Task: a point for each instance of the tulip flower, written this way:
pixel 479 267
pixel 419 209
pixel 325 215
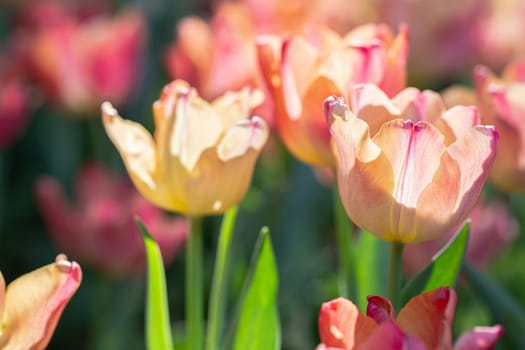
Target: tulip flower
pixel 202 158
pixel 31 305
pixel 501 104
pixel 303 70
pixel 492 229
pixel 218 56
pixel 406 183
pixel 80 60
pixel 424 323
pixel 99 228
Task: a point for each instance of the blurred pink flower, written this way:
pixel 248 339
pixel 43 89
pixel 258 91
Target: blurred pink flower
pixel 502 104
pixel 408 180
pixel 31 305
pixel 81 58
pixel 303 70
pixel 218 56
pixel 492 228
pixel 99 228
pixel 444 35
pixel 14 102
pixel 424 323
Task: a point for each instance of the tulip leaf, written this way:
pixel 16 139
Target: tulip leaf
pixel 504 308
pixel 443 269
pixel 158 327
pixel 371 258
pixel 258 325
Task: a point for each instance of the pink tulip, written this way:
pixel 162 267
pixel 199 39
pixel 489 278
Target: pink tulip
pixel 99 229
pixel 424 323
pixel 78 60
pixel 31 305
pixel 492 228
pixel 302 70
pixel 501 104
pixel 219 56
pixel 409 182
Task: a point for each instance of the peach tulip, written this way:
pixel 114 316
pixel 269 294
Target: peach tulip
pixel 303 70
pixel 501 104
pixel 99 229
pixel 406 182
pixel 31 305
pixel 424 323
pixel 202 158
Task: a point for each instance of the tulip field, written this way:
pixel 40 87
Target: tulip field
pixel 247 174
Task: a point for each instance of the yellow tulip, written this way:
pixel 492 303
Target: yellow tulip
pixel 202 157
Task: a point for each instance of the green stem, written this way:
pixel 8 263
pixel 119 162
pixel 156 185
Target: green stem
pixel 194 286
pixel 344 232
pixel 394 274
pixel 218 287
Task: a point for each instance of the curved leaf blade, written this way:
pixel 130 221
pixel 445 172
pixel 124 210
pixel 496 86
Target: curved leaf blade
pixel 158 326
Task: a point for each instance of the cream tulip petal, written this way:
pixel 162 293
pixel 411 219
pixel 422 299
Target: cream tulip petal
pixel 136 147
pixel 372 105
pixel 244 135
pixel 459 120
pixel 196 128
pixel 414 152
pixel 2 297
pixel 364 175
pixel 235 106
pixel 34 303
pixel 216 185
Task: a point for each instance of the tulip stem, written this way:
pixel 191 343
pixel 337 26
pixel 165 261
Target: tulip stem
pixel 218 287
pixel 395 273
pixel 344 232
pixel 194 286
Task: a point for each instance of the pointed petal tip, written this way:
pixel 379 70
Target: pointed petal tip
pixel 108 109
pixel 334 106
pixel 68 267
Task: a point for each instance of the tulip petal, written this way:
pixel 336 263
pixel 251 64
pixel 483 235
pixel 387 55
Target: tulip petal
pixel 244 135
pixel 463 171
pixel 457 121
pixel 414 151
pixel 298 63
pixel 389 336
pixel 34 303
pixel 362 165
pixel 372 105
pixel 479 338
pixel 419 105
pixel 428 317
pixel 343 325
pixel 380 309
pixel 137 149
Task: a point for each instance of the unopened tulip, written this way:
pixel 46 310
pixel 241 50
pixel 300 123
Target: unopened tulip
pixel 303 70
pixel 424 323
pixel 406 183
pixel 99 229
pixel 203 155
pixel 31 305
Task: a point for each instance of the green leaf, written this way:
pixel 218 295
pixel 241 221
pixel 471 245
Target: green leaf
pixel 504 308
pixel 258 325
pixel 371 260
pixel 158 327
pixel 443 269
